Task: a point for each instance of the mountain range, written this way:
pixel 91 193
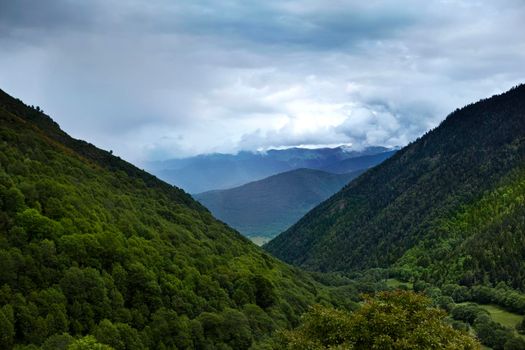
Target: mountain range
pixel 98 254
pixel 447 208
pixel 262 209
pixel 222 171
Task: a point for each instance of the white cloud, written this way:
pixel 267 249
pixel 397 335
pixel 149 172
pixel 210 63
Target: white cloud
pixel 167 79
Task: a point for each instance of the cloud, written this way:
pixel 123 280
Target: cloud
pixel 160 79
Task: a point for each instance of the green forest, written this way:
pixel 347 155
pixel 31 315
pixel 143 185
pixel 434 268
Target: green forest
pixel 448 208
pixel 98 254
pixel 93 249
pixel 446 215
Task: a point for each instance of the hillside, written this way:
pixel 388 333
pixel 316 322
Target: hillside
pixel 91 245
pixel 358 163
pixel 262 209
pixel 447 208
pixel 223 171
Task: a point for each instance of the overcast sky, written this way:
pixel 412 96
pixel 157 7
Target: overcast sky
pixel 159 79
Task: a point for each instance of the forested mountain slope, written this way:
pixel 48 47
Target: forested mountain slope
pixel 91 245
pixel 448 207
pixel 358 163
pixel 266 207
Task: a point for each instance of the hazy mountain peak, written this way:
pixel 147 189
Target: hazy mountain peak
pixel 221 171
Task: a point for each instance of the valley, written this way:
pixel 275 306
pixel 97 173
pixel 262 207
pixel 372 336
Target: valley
pixel 262 175
pixel 262 209
pixel 99 253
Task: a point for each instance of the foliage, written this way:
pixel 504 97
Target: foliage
pixel 500 295
pixel 490 332
pixel 447 208
pixel 94 250
pixel 390 320
pixel 520 327
pixel 87 343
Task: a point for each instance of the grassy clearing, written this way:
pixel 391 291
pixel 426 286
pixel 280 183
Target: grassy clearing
pixel 502 316
pixel 394 283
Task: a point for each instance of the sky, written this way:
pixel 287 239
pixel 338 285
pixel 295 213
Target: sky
pixel 163 79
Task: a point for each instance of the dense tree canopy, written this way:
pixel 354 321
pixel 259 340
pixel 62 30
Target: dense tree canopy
pixel 94 250
pixel 390 320
pixel 97 254
pixel 447 208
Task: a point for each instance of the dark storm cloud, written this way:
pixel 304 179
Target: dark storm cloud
pixel 155 79
pixel 44 15
pixel 275 23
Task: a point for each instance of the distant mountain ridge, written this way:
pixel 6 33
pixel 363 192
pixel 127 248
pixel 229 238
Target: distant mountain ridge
pixel 448 208
pixel 356 163
pixel 222 171
pixel 262 209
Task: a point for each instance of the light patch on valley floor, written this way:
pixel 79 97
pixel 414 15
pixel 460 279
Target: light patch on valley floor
pixel 259 240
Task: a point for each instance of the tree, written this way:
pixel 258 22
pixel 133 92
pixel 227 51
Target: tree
pixel 520 327
pixel 390 320
pixel 7 331
pixel 515 343
pixel 58 342
pixel 264 291
pixel 88 343
pixel 491 333
pixel 108 333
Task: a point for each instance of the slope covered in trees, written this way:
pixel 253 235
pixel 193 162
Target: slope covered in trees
pixel 94 250
pixel 358 163
pixel 449 207
pixel 261 209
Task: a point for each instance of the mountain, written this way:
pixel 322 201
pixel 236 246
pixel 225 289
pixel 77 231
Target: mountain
pixel 262 209
pixel 358 163
pixel 222 171
pixel 92 246
pixel 449 207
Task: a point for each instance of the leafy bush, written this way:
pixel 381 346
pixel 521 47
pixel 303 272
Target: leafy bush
pixel 390 320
